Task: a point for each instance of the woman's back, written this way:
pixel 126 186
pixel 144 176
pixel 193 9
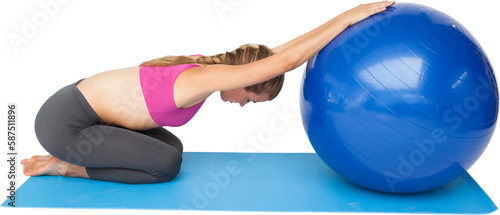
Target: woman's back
pixel 116 96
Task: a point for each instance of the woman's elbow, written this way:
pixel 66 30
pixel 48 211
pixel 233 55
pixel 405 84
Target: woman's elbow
pixel 291 63
pixel 286 63
pixel 290 59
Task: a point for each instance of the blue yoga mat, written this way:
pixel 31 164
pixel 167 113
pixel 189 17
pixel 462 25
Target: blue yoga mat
pixel 286 182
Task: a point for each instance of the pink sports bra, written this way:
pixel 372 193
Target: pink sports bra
pixel 157 83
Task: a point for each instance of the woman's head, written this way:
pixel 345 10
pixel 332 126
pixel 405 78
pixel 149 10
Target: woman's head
pixel 247 53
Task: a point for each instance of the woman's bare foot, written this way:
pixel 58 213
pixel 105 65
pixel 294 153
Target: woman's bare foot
pixel 44 165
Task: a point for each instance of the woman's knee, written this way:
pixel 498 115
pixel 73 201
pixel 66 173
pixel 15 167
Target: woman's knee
pixel 178 145
pixel 169 167
pixel 174 141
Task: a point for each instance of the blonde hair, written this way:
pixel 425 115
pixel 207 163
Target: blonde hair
pixel 244 54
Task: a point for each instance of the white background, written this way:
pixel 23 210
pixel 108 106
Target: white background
pixel 82 38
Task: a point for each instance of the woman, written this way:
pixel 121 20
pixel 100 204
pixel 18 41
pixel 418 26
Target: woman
pixel 108 126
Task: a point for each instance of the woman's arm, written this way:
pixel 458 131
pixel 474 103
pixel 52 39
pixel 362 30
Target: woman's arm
pixel 290 55
pixel 282 47
pixel 308 45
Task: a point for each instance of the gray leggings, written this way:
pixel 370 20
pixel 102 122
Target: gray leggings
pixel 69 129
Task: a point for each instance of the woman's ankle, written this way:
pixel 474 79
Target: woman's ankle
pixel 76 171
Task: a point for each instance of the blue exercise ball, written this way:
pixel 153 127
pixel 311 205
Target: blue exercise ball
pixel 402 102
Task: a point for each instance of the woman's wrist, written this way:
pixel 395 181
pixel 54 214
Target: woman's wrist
pixel 342 21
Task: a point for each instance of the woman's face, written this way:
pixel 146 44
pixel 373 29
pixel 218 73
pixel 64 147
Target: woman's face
pixel 242 96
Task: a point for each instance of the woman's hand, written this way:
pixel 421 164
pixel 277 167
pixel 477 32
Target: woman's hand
pixel 364 11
